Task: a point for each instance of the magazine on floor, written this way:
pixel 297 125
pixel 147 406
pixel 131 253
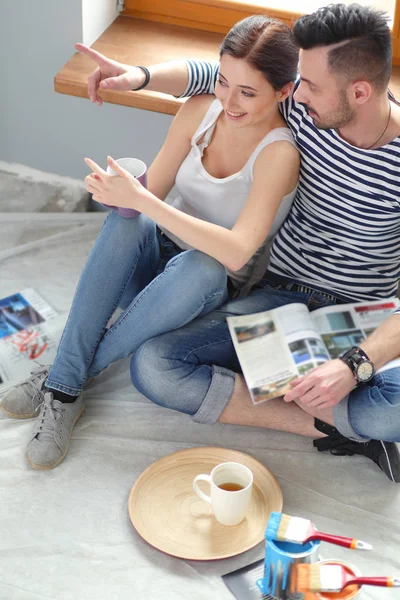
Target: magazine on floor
pixel 242 583
pixel 276 346
pixel 29 333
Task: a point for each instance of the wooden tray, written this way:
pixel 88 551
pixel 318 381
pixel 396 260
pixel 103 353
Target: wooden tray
pixel 166 512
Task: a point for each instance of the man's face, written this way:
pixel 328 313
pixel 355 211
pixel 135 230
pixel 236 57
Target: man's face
pixel 324 94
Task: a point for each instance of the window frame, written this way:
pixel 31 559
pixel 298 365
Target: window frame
pixel 210 15
pixel 150 41
pixel 220 15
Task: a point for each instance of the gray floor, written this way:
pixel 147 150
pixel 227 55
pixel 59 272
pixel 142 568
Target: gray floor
pixel 66 533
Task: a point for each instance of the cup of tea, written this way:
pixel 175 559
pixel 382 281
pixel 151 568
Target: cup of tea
pixel 138 169
pixel 230 491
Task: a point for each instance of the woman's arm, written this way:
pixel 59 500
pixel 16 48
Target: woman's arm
pixel 275 175
pixel 162 172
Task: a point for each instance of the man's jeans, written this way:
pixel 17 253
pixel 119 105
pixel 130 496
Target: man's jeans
pixel 135 267
pixel 192 369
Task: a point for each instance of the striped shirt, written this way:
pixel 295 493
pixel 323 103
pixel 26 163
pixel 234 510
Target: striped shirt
pixel 343 232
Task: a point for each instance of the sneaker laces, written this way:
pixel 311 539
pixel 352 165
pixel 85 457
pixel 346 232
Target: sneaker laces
pixel 335 442
pixel 337 445
pixel 35 380
pixel 51 410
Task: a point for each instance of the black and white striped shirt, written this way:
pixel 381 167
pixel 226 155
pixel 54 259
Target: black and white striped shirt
pixel 343 232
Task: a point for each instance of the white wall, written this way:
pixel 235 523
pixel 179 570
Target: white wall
pixel 97 15
pixel 53 132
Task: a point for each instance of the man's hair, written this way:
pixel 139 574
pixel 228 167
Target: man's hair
pixel 366 51
pixel 268 45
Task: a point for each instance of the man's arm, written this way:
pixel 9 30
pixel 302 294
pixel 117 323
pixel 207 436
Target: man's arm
pixel 183 78
pixel 383 344
pixel 331 382
pixel 177 77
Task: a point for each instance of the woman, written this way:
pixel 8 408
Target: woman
pixel 235 167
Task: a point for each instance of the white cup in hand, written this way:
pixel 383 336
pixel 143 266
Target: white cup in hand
pixel 231 486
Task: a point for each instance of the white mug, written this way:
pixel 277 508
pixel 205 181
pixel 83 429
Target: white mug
pixel 231 485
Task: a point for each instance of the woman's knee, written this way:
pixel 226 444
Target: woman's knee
pixel 204 270
pixel 129 230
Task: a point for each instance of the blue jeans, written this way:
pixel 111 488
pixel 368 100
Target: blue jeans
pixel 192 369
pixel 132 265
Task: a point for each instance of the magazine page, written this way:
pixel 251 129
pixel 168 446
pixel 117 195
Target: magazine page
pixel 30 348
pixel 29 334
pixel 242 583
pixel 21 310
pixel 343 326
pixel 274 347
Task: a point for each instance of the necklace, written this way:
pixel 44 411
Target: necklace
pixel 384 131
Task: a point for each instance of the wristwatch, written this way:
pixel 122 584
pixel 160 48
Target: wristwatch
pixel 358 362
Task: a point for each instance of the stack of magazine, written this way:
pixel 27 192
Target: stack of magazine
pixel 29 334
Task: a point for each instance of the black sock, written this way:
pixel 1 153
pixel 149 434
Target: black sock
pixel 61 397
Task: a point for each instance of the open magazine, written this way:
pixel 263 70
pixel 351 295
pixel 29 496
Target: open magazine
pixel 29 333
pixel 276 346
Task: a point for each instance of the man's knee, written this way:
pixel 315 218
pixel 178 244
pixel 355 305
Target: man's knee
pixel 163 372
pixel 146 369
pixel 375 411
pixel 156 376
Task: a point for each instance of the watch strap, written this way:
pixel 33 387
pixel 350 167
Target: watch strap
pixel 353 357
pixel 349 362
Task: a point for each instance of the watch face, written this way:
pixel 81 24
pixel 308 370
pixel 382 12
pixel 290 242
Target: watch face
pixel 365 370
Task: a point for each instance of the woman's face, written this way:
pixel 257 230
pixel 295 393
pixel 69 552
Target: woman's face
pixel 245 94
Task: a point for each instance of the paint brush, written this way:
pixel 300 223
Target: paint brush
pixel 333 578
pixel 285 528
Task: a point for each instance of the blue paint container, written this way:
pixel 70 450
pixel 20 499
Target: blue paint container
pixel 280 560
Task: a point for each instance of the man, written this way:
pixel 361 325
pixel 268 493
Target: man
pixel 339 244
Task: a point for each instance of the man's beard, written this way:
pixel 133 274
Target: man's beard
pixel 341 117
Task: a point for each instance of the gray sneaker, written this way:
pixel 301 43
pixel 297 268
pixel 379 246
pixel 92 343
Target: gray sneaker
pixel 24 399
pixel 52 431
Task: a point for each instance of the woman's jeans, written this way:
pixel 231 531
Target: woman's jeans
pixel 192 370
pixel 132 265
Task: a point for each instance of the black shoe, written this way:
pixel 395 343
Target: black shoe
pixel 385 454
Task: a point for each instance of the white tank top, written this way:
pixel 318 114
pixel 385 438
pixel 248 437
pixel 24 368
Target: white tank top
pixel 220 201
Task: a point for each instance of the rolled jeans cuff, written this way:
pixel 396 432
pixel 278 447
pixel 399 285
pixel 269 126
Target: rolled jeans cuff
pixel 217 397
pixel 66 389
pixel 342 421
